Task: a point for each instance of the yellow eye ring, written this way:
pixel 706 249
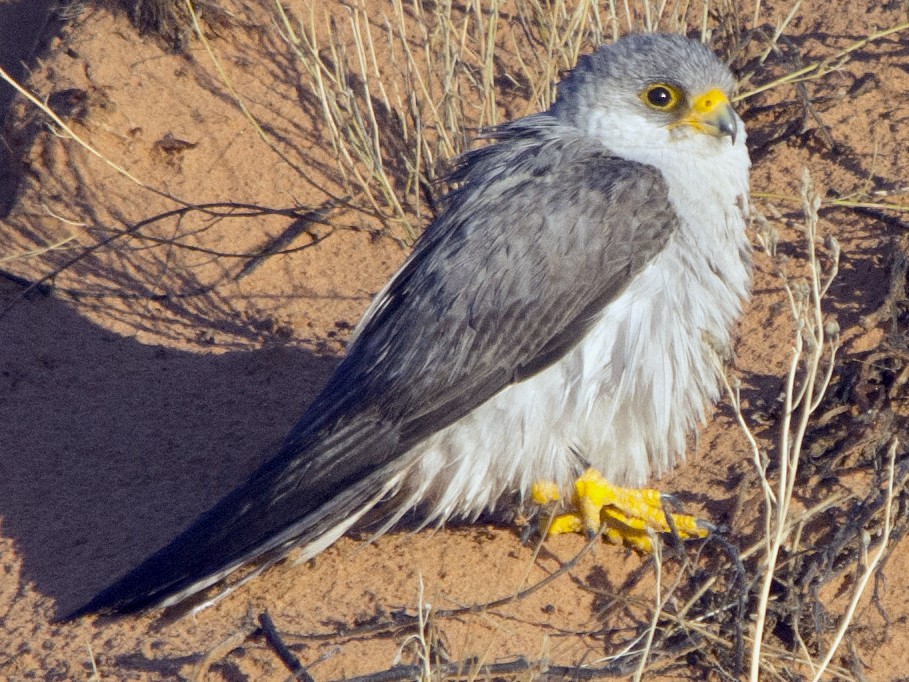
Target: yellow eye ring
pixel 660 96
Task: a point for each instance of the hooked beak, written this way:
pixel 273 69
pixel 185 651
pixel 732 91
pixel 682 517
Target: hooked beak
pixel 712 113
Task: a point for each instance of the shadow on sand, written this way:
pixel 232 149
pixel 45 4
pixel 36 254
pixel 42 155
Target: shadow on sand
pixel 110 447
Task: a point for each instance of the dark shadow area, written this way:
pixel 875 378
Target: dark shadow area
pixel 24 25
pixel 111 447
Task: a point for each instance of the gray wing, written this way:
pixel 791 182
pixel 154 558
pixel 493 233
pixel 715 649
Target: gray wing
pixel 539 239
pixel 542 232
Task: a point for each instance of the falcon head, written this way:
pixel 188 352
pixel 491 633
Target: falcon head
pixel 651 91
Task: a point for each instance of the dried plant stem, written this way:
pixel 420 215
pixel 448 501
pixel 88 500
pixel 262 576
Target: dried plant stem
pixel 68 242
pixel 836 203
pixel 420 638
pixel 870 567
pixel 651 631
pixel 810 369
pixel 759 458
pixel 825 66
pixel 81 142
pixel 200 34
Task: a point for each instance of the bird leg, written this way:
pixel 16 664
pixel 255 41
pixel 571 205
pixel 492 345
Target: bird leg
pixel 625 515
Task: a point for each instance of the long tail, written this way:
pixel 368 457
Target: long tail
pixel 296 499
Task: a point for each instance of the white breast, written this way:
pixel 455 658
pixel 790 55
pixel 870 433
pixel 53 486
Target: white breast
pixel 626 397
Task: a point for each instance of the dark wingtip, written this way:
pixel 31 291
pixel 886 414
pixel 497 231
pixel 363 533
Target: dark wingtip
pixel 106 605
pixel 76 614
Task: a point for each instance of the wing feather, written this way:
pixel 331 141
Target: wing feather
pixel 543 230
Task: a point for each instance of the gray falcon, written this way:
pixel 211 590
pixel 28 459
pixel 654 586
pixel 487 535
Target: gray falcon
pixel 556 323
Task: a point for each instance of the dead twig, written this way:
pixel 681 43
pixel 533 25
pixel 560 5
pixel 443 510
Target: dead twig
pixel 276 644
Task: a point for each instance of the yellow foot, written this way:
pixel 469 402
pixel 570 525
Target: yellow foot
pixel 625 515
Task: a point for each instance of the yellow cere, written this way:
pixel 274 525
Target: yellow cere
pixel 710 100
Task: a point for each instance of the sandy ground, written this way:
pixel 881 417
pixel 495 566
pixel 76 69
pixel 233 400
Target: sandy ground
pixel 141 383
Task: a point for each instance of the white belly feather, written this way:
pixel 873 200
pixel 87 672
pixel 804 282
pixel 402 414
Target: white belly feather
pixel 625 398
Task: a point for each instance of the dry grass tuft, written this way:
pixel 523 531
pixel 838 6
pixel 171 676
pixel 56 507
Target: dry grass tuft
pixel 393 132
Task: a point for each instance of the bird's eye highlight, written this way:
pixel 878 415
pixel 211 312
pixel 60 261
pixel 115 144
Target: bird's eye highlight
pixel 660 96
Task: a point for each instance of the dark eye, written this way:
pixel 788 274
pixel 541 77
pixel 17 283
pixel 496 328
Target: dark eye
pixel 660 96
